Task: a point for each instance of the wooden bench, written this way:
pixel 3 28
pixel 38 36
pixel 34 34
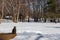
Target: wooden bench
pixel 7 36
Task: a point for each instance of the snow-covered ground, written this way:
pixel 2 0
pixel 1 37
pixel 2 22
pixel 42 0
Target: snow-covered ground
pixel 36 36
pixel 44 28
pixel 29 31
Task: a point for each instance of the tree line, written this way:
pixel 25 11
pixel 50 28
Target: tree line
pixel 31 9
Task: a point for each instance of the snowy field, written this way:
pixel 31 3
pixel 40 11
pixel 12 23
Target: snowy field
pixel 32 30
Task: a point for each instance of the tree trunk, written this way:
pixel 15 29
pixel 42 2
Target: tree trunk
pixel 0 18
pixel 35 19
pixel 28 19
pixel 18 11
pixel 58 20
pixel 44 19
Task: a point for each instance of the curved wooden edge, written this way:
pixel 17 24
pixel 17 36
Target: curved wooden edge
pixel 7 36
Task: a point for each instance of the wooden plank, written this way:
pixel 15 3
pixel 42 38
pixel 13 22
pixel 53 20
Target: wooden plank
pixel 7 36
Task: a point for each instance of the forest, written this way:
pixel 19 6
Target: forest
pixel 38 10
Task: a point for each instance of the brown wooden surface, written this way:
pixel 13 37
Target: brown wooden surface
pixel 7 36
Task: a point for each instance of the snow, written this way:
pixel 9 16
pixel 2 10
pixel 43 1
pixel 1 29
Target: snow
pixel 27 36
pixel 35 36
pixel 49 31
pixel 44 28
